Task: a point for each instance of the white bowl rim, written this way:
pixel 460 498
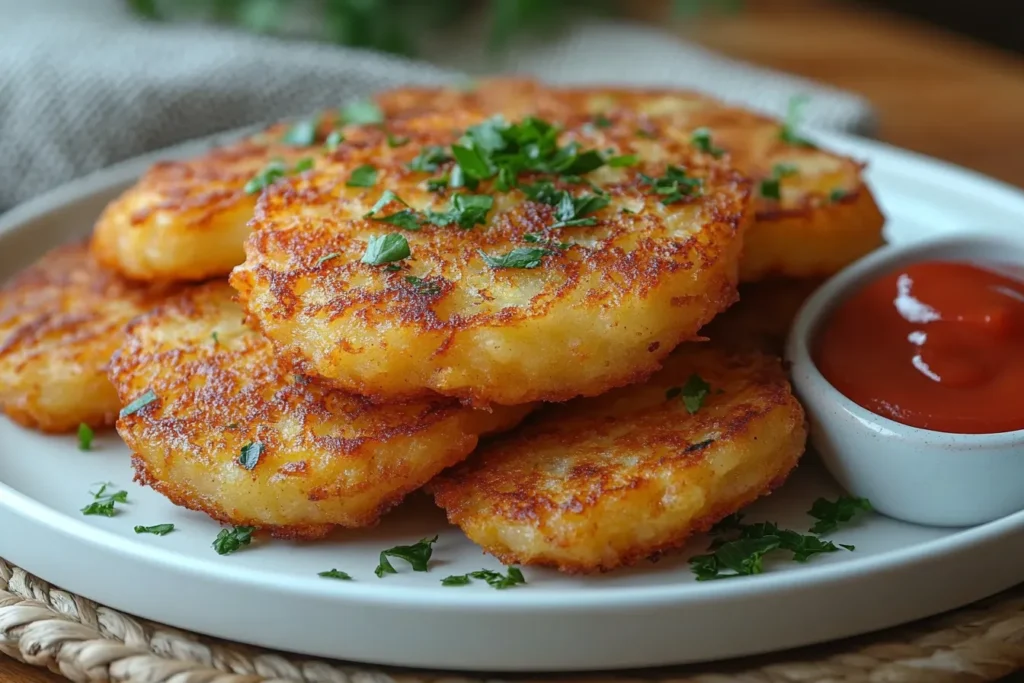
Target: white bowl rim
pixel 844 283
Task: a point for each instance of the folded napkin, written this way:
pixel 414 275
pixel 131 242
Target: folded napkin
pixel 84 84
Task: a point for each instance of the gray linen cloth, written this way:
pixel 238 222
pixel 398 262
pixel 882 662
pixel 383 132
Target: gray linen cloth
pixel 83 84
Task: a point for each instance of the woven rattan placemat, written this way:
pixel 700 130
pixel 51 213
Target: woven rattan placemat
pixel 45 626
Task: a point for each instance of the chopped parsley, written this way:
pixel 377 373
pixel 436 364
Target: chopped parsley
pixel 521 257
pixel 771 187
pixel 693 393
pixel 215 337
pixel 361 112
pixel 571 211
pixel 274 171
pixel 301 134
pixel 230 540
pixel 437 184
pixel 535 238
pixel 623 160
pixel 251 454
pixel 334 574
pixel 157 530
pixel 85 436
pixel 407 219
pixel 334 140
pixel 429 159
pixel 674 186
pixel 837 195
pixel 494 579
pixel 701 139
pixel 364 176
pixel 417 555
pixel 738 549
pixel 103 502
pixel 466 211
pixel 388 248
pixel 602 121
pixel 138 404
pixel 794 113
pixel 422 286
pixel 327 257
pixel 830 514
pixel 397 140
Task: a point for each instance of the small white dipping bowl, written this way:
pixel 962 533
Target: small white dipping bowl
pixel 916 475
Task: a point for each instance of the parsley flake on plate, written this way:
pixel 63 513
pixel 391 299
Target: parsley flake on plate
pixel 149 396
pixel 334 574
pixel 417 555
pixel 388 248
pixel 85 436
pixel 364 176
pixel 233 539
pixel 494 579
pixel 831 513
pixel 334 140
pixel 156 530
pixel 251 454
pixel 701 139
pixel 104 503
pixel 521 257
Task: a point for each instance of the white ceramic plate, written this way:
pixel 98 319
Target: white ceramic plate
pixel 269 594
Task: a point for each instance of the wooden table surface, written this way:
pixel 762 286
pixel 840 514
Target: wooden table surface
pixel 935 93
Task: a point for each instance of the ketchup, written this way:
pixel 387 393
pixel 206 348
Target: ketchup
pixel 937 345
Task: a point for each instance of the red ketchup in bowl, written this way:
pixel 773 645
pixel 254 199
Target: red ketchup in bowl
pixel 937 345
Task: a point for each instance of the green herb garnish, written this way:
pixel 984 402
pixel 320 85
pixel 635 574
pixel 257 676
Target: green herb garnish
pixel 301 134
pixel 138 404
pixel 383 249
pixel 103 502
pixel 794 112
pixel 693 393
pixel 571 210
pixel 830 514
pixel 417 555
pixel 674 186
pixel 429 159
pixel 602 121
pixel 422 286
pixel 327 257
pixel 335 574
pixel 407 219
pixel 251 454
pixel 466 211
pixel 230 540
pixel 521 257
pixel 494 579
pixel 837 195
pixel 362 112
pixel 157 530
pixel 771 187
pixel 701 139
pixel 274 171
pixel 85 436
pixel 334 140
pixel 623 160
pixel 397 140
pixel 364 176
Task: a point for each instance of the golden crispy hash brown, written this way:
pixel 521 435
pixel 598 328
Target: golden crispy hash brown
pixel 570 283
pixel 186 220
pixel 814 213
pixel 597 483
pixel 219 424
pixel 60 321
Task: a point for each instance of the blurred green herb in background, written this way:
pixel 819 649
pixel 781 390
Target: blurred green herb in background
pixel 392 25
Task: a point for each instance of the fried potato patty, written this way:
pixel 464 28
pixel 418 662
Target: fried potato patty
pixel 60 321
pixel 186 220
pixel 814 212
pixel 226 428
pixel 598 483
pixel 569 283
